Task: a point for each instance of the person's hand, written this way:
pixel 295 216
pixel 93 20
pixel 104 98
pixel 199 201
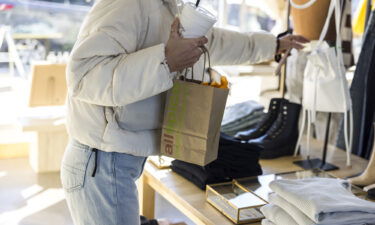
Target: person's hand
pixel 291 41
pixel 181 52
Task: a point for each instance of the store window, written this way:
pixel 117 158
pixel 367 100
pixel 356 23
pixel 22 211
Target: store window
pixel 234 15
pixel 240 15
pixel 41 28
pixel 74 2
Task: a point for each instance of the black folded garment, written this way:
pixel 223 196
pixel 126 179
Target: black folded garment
pixel 145 221
pixel 236 159
pixel 196 174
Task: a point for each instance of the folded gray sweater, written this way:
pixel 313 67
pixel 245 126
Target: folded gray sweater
pixel 326 201
pixel 241 110
pixel 267 222
pixel 293 211
pixel 277 215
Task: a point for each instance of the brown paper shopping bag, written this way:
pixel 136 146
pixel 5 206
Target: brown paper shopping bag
pixel 192 120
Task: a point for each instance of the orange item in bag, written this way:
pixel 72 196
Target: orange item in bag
pixel 223 84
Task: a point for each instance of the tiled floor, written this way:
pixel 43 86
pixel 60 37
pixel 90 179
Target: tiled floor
pixel 27 198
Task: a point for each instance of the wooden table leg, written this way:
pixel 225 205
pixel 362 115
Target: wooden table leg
pixel 146 198
pixel 47 150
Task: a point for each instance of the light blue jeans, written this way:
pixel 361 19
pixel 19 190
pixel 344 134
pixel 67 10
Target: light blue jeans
pixel 108 198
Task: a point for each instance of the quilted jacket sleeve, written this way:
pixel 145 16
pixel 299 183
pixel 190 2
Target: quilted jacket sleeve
pixel 233 48
pixel 105 67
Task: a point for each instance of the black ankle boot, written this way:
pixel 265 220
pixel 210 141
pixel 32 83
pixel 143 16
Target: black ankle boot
pixel 281 138
pixel 264 125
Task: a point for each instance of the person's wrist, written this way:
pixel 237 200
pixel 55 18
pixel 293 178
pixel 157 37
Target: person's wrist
pixel 277 54
pixel 166 61
pixel 277 46
pixel 167 66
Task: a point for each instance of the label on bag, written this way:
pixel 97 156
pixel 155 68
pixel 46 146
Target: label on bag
pixel 173 118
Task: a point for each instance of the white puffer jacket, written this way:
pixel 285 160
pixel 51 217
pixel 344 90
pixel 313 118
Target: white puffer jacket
pixel 116 81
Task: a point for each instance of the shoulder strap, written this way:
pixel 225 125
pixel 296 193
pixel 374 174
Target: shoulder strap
pixel 338 14
pixel 323 34
pixel 302 6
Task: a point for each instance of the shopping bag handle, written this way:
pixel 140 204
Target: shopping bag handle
pixel 205 59
pixel 333 7
pixel 206 53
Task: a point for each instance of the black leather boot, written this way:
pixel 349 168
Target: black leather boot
pixel 281 138
pixel 264 125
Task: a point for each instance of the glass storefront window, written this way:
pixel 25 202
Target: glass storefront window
pixel 47 17
pixel 234 15
pixel 239 15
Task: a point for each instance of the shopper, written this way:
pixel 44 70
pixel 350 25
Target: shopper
pixel 120 67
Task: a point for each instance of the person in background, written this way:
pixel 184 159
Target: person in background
pixel 125 59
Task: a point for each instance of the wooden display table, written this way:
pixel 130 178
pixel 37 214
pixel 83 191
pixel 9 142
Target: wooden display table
pixel 191 200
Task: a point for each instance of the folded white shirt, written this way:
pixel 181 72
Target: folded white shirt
pixel 326 201
pixel 277 215
pixel 267 222
pixel 293 211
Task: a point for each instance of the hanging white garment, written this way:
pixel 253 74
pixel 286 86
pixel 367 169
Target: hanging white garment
pixel 325 88
pixel 295 68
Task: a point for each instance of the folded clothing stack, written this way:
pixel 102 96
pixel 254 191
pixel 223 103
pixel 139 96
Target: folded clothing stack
pixel 145 221
pixel 323 201
pixel 241 116
pixel 235 160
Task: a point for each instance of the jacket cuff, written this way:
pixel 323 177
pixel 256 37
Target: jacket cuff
pixel 265 46
pixel 164 62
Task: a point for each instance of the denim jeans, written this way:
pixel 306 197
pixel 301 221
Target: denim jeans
pixel 108 198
